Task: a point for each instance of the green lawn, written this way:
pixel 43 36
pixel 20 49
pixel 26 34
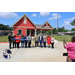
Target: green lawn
pixel 61 37
pixel 4 38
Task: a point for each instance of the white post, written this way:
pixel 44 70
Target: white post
pixel 41 31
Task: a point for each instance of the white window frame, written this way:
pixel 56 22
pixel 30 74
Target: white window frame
pixel 21 31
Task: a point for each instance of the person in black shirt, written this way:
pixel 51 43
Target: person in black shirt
pixel 10 40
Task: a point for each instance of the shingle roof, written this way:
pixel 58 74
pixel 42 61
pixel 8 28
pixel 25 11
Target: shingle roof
pixel 43 27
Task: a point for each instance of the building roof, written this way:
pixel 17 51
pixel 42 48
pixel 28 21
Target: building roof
pixel 21 18
pixel 43 27
pixel 37 26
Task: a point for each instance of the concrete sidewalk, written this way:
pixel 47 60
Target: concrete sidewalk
pixel 36 54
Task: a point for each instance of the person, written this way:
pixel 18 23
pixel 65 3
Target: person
pixel 74 35
pixel 68 58
pixel 44 39
pixel 41 40
pixel 48 41
pixel 14 41
pixel 36 40
pixel 33 40
pixel 29 40
pixel 10 40
pixel 18 40
pixel 52 41
pixel 70 49
pixel 26 38
pixel 22 41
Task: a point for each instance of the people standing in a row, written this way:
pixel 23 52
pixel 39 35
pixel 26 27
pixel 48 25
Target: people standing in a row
pixel 31 41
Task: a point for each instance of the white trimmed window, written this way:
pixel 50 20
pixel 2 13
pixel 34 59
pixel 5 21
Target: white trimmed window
pixel 25 20
pixel 19 31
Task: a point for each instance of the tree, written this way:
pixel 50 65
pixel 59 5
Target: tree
pixel 5 27
pixel 73 23
pixel 54 31
pixel 73 29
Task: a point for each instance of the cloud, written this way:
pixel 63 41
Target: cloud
pixel 44 14
pixel 54 15
pixel 49 18
pixel 8 15
pixel 67 24
pixel 34 15
pixel 39 16
pixel 70 18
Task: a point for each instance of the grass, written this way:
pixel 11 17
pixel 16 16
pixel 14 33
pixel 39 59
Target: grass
pixel 57 37
pixel 4 38
pixel 61 37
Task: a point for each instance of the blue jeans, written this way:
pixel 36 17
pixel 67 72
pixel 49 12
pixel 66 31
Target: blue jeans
pixel 22 44
pixel 68 61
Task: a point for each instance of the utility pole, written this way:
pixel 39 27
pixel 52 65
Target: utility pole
pixel 57 23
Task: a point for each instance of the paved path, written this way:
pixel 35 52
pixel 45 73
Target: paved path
pixel 35 54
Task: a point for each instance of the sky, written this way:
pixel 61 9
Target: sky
pixel 64 18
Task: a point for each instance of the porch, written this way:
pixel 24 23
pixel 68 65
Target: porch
pixel 35 31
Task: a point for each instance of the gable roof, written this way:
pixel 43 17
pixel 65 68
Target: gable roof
pixel 45 23
pixel 21 18
pixel 43 27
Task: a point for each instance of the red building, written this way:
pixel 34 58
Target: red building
pixel 25 26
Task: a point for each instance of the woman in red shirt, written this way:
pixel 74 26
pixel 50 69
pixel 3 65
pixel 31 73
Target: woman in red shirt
pixel 49 40
pixel 18 41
